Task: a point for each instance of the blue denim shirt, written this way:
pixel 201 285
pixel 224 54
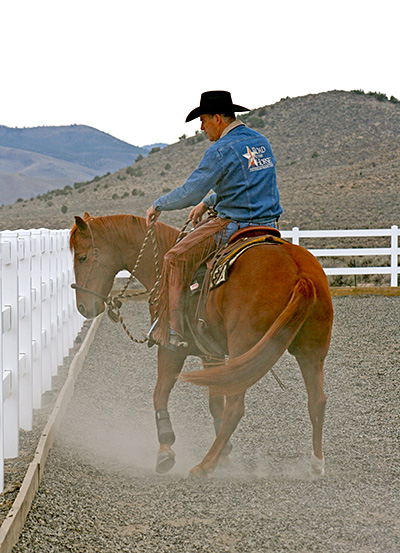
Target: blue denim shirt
pixel 240 169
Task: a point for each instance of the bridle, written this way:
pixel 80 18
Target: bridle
pixel 114 303
pixel 95 255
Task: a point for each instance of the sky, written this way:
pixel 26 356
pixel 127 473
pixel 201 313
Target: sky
pixel 136 69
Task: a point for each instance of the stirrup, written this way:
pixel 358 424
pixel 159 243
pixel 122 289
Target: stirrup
pixel 150 339
pixel 174 343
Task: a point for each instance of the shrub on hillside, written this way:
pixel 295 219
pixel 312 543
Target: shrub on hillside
pixel 64 209
pixel 255 122
pixel 134 171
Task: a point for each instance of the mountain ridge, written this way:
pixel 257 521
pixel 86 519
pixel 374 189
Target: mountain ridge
pixel 71 153
pixel 338 166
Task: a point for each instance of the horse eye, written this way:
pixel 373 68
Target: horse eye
pixel 82 258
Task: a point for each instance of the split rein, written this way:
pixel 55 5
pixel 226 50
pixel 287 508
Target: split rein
pixel 114 303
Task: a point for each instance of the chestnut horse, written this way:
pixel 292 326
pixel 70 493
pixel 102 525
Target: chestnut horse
pixel 276 298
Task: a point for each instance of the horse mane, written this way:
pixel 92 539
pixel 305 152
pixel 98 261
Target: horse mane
pixel 113 226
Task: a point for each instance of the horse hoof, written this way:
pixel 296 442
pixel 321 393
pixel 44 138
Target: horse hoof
pixel 317 466
pixel 227 449
pixel 197 473
pixel 165 461
pixel 225 462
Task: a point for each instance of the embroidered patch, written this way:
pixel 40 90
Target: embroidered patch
pixel 257 160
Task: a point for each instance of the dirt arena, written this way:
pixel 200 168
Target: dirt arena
pixel 100 493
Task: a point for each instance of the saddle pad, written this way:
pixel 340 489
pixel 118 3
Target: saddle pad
pixel 222 265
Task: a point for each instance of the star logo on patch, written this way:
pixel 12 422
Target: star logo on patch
pixel 250 157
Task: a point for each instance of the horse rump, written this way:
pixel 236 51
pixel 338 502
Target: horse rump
pixel 239 373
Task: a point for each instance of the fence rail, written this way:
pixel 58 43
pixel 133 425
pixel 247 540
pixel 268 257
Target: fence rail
pixel 392 251
pixel 38 325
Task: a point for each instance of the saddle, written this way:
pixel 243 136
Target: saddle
pixel 252 232
pixel 240 241
pixel 216 271
pixel 225 257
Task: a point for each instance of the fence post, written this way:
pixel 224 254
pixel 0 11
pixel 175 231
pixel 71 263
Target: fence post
pixel 10 342
pixel 46 309
pixel 394 257
pixel 36 273
pixel 1 385
pixel 25 330
pixel 53 302
pixel 296 235
pixel 64 294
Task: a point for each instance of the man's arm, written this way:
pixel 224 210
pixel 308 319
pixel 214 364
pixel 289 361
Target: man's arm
pixel 196 187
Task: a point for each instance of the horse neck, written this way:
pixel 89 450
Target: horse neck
pixel 130 244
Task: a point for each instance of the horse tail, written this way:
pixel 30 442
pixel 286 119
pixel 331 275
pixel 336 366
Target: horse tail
pixel 241 372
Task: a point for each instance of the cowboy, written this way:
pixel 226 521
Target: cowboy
pixel 239 167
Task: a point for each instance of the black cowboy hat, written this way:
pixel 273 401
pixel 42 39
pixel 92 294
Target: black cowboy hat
pixel 215 101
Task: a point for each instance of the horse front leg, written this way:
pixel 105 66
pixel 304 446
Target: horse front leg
pixel 169 366
pixel 233 412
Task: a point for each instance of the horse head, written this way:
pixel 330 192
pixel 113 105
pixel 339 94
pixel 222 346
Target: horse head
pixel 96 262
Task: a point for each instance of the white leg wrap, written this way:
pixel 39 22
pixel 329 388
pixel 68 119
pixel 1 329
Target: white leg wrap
pixel 317 465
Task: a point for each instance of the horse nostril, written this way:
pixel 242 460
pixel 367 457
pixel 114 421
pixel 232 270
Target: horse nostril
pixel 82 309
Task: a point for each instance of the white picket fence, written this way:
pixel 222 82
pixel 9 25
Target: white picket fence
pixel 39 320
pixel 38 326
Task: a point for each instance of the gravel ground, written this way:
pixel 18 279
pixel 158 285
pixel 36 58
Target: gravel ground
pixel 100 492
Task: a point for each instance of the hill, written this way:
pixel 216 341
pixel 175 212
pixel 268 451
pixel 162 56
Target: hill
pixel 338 165
pixel 35 160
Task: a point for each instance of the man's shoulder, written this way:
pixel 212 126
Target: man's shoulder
pixel 243 130
pixel 238 134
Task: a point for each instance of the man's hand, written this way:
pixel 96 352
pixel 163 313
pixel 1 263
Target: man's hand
pixel 150 214
pixel 197 212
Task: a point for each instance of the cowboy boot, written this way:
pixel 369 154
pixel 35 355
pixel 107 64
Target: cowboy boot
pixel 176 328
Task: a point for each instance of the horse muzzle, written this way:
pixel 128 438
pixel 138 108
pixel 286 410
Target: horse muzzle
pixel 96 308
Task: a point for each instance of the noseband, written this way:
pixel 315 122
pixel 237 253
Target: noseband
pixel 89 291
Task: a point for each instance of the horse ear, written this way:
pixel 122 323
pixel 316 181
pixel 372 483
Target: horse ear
pixel 86 216
pixel 81 225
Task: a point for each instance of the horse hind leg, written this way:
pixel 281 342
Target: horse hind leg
pixel 233 412
pixel 312 371
pixel 216 405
